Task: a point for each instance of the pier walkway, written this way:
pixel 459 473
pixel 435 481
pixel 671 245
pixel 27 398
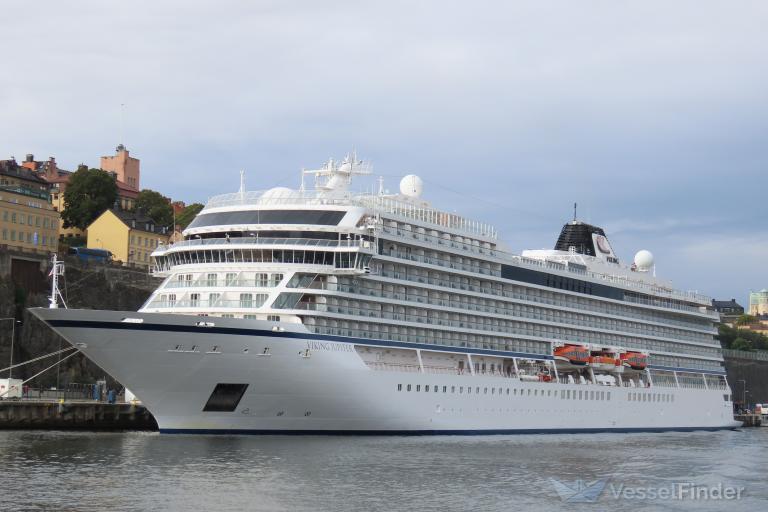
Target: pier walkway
pixel 74 415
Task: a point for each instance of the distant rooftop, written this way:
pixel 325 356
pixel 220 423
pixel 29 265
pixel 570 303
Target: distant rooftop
pixel 13 169
pixel 726 304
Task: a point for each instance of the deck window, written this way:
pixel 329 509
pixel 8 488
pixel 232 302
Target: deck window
pixel 312 217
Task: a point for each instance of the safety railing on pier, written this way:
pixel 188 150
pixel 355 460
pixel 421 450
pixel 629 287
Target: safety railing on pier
pixel 758 355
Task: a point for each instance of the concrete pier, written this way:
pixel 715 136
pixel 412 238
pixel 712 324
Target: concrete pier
pixel 74 415
pixel 750 420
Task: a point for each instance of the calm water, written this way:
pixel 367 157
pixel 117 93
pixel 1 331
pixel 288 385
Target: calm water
pixel 146 471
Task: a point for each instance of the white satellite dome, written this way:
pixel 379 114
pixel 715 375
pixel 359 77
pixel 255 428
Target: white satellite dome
pixel 411 186
pixel 643 259
pixel 278 193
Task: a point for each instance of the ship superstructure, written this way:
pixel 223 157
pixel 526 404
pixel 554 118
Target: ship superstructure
pixel 410 305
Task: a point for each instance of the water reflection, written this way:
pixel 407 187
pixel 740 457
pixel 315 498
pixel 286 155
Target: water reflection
pixel 143 471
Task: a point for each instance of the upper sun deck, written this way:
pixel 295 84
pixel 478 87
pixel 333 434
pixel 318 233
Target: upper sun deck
pixel 331 183
pixel 396 205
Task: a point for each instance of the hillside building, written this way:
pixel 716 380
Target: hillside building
pixel 129 236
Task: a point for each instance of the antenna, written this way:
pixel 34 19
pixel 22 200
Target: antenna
pixel 574 211
pixel 242 185
pixel 122 108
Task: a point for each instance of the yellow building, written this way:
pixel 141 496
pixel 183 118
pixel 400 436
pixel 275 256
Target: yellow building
pixel 129 236
pixel 28 222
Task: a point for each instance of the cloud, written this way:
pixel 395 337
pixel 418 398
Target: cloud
pixel 735 263
pixel 651 115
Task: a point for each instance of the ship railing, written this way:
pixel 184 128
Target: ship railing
pixel 509 295
pixel 307 242
pixel 426 215
pixel 742 354
pixel 415 368
pixel 227 283
pixel 353 262
pixel 446 341
pixel 585 382
pixel 258 198
pixel 253 303
pixel 474 246
pixel 672 305
pixel 632 383
pixel 428 319
pixel 445 262
pixel 442 370
pixel 508 311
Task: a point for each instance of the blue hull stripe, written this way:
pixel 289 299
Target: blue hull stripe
pixel 90 324
pixel 274 432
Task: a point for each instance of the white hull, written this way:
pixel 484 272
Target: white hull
pixel 334 391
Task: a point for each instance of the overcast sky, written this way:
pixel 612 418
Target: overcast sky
pixel 653 115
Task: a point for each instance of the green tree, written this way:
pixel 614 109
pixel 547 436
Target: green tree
pixel 741 344
pixel 156 206
pixel 185 217
pixel 729 335
pixel 745 320
pixel 89 192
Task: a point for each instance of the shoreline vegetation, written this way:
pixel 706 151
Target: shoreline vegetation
pixel 740 337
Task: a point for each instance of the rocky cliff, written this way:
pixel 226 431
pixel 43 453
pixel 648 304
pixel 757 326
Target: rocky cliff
pixel 84 287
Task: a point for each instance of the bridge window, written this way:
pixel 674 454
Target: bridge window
pixel 311 217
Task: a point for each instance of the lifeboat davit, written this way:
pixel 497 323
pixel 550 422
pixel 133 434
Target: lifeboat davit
pixel 605 362
pixel 634 360
pixel 572 354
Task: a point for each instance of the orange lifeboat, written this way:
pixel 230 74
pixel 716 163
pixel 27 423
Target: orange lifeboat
pixel 573 354
pixel 635 360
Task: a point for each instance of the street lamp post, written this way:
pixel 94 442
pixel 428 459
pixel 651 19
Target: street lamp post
pixel 13 337
pixel 743 393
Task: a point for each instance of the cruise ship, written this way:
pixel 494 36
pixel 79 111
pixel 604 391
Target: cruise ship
pixel 323 311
